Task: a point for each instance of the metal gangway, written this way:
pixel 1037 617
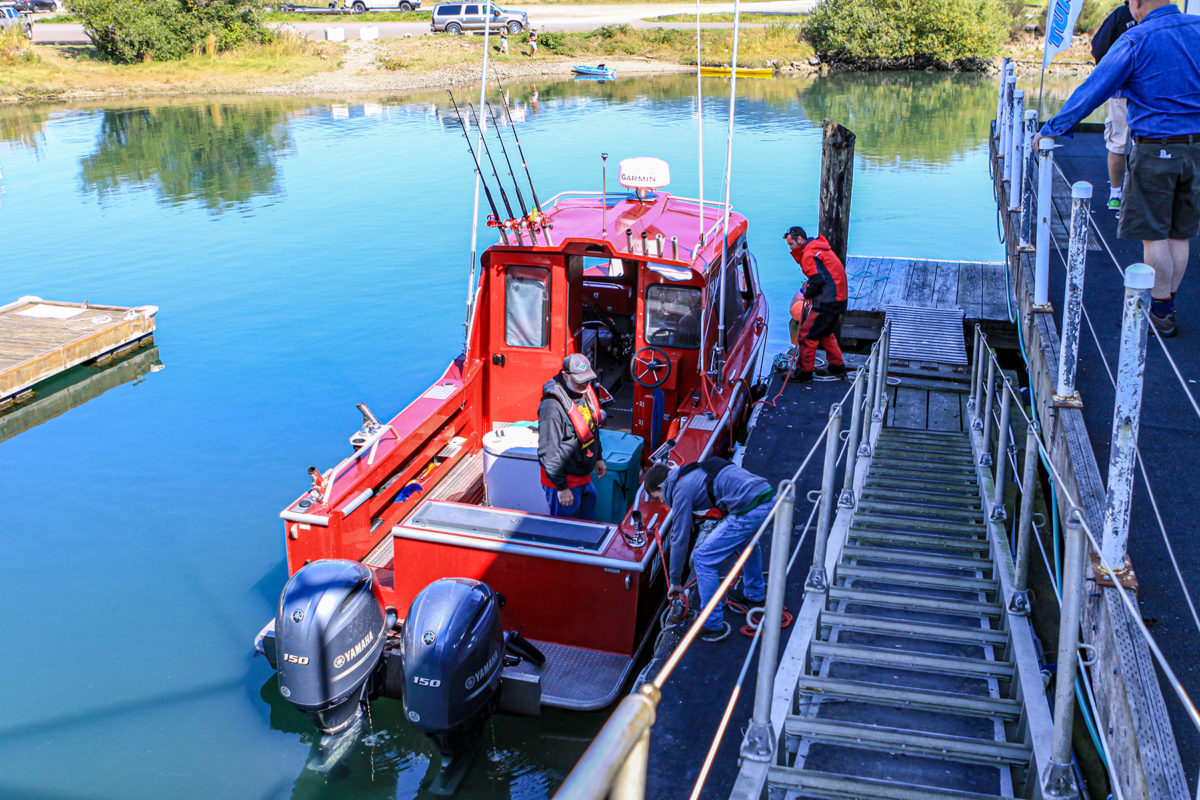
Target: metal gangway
pixel 912 670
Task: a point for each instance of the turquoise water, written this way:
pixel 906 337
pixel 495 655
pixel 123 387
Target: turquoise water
pixel 307 256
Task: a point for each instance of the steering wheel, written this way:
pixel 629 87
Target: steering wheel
pixel 651 367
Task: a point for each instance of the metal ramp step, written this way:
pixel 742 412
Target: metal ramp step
pixel 913 539
pixel 909 486
pixel 870 518
pixel 895 740
pixel 916 477
pixel 872 508
pixel 916 603
pixel 907 659
pixel 861 552
pixel 934 466
pixel 905 578
pixel 879 694
pixel 828 786
pixel 923 630
pixel 901 498
pixel 931 452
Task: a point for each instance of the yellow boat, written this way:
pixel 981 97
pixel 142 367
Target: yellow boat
pixel 743 72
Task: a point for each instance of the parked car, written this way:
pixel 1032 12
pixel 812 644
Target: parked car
pixel 11 18
pixel 460 17
pixel 42 5
pixel 359 6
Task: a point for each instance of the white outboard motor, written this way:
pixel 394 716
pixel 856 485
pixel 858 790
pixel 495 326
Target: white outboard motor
pixel 453 654
pixel 330 634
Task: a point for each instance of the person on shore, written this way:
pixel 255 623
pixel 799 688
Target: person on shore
pixel 745 499
pixel 569 440
pixel 532 42
pixel 1157 66
pixel 504 41
pixel 826 287
pixel 1116 124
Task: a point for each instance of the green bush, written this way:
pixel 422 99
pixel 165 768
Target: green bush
pixel 612 31
pixel 554 42
pixel 126 31
pixel 907 33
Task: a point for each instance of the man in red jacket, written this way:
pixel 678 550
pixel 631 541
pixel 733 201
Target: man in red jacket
pixel 826 288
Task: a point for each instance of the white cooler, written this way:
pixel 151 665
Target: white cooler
pixel 511 472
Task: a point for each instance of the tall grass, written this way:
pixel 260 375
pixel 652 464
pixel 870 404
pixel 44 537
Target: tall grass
pixel 14 47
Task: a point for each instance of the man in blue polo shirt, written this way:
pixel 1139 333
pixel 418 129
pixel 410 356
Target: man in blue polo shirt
pixel 1157 66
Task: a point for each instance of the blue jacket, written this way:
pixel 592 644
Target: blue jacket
pixel 1156 65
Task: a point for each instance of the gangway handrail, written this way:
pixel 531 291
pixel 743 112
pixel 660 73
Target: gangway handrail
pixel 617 758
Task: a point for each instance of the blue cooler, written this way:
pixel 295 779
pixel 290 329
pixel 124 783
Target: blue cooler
pixel 615 491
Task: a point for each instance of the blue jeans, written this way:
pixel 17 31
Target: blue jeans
pixel 583 504
pixel 727 540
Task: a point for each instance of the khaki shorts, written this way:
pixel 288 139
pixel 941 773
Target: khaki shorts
pixel 1161 195
pixel 1116 127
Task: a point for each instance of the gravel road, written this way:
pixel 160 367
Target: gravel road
pixel 548 17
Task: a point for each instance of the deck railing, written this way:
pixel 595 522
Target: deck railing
pixel 614 765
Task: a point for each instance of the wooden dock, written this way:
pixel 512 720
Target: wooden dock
pixel 41 338
pixel 977 288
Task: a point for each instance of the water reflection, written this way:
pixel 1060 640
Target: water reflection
pixel 220 155
pixel 391 759
pixel 905 119
pixel 76 386
pixel 22 126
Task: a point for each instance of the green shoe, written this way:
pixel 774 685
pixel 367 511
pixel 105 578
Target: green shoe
pixel 1114 204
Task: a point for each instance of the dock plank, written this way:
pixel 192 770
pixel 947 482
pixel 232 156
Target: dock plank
pixel 945 411
pixel 883 276
pixel 911 407
pixel 945 285
pixel 970 289
pixel 919 291
pixel 995 294
pixel 897 284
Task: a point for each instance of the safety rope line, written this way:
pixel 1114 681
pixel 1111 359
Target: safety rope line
pixel 1189 706
pixel 1141 462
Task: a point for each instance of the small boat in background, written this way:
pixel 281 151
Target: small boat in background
pixel 743 72
pixel 598 72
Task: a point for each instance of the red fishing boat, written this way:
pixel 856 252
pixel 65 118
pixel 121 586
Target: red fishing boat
pixel 425 566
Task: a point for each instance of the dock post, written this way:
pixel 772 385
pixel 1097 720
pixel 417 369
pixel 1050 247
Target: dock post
pixel 983 406
pixel 998 513
pixel 837 179
pixel 1127 412
pixel 758 744
pixel 1012 135
pixel 847 497
pixel 976 372
pixel 1058 781
pixel 1005 143
pixel 1005 65
pixel 817 578
pixel 885 361
pixel 1023 228
pixel 1045 205
pixel 1068 353
pixel 1019 602
pixel 880 382
pixel 1018 142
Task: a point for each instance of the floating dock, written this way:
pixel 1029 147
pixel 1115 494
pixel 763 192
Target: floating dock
pixel 42 338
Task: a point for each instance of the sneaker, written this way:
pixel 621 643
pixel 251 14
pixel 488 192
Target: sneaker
pixel 1114 204
pixel 1165 325
pixel 716 634
pixel 734 595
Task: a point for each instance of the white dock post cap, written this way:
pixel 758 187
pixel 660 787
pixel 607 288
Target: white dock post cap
pixel 643 172
pixel 1031 113
pixel 1012 78
pixel 335 34
pixel 1139 276
pixel 1046 144
pixel 1081 190
pixel 1018 93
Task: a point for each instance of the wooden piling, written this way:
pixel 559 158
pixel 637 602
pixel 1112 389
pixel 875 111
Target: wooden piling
pixel 837 176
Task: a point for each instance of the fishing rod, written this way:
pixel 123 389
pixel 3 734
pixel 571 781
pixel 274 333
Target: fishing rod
pixel 508 161
pixel 495 174
pixel 478 166
pixel 520 151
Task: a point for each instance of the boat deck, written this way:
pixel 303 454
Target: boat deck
pixel 40 339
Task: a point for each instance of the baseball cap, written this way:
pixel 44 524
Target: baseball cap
pixel 578 368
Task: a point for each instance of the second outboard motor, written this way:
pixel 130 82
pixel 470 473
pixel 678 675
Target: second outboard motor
pixel 453 651
pixel 330 634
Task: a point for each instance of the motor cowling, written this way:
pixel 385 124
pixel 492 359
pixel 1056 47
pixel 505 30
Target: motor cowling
pixel 330 634
pixel 453 654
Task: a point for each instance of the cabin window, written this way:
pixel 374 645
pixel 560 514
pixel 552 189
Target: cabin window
pixel 471 10
pixel 527 307
pixel 594 267
pixel 673 316
pixel 449 11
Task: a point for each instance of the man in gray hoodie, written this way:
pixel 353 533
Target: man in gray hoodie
pixel 744 498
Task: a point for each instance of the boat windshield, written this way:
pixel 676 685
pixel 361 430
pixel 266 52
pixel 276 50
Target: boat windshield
pixel 673 316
